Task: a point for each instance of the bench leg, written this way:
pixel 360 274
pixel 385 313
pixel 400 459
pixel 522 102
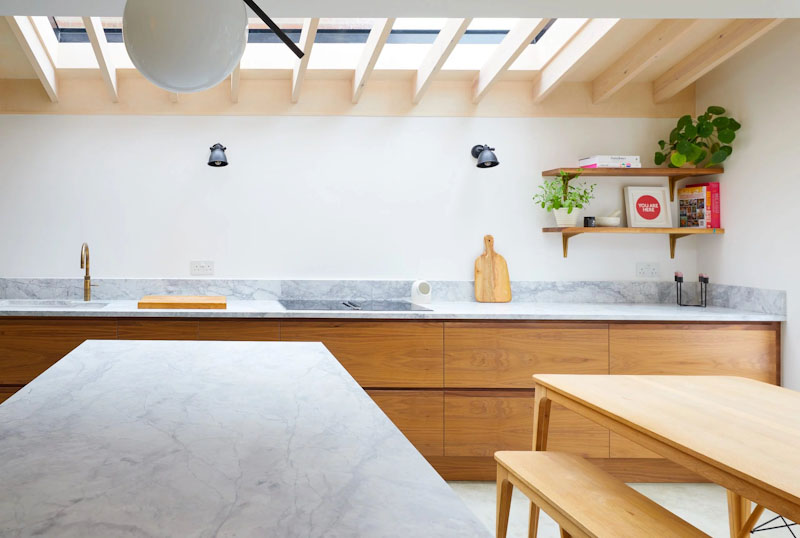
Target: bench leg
pixel 504 490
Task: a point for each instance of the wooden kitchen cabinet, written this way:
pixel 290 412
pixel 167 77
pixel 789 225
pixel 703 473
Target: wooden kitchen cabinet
pixel 419 414
pixel 506 354
pixel 458 390
pixel 255 330
pixel 379 354
pixel 479 423
pixel 28 347
pixel 746 350
pixel 7 392
pixel 157 329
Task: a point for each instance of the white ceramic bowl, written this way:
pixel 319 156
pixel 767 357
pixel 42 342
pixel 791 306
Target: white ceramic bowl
pixel 607 222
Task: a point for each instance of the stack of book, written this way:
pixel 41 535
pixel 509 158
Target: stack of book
pixel 611 161
pixel 699 205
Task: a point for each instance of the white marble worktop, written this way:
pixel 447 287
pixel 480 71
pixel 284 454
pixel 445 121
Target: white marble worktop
pixel 439 311
pixel 194 439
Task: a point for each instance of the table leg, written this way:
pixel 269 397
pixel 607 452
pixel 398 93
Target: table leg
pixel 738 512
pixel 541 426
pixel 504 491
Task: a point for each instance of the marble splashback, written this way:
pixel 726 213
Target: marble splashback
pixel 606 292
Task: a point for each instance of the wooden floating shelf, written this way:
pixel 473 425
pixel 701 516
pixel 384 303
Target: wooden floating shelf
pixel 673 233
pixel 674 174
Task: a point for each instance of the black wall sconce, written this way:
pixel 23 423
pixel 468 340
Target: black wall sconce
pixel 218 157
pixel 485 155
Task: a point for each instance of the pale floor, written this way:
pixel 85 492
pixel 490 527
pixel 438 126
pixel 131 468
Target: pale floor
pixel 702 505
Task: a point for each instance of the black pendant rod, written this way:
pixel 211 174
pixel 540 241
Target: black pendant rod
pixel 274 27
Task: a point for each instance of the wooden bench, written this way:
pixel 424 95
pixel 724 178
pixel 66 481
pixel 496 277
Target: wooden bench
pixel 582 499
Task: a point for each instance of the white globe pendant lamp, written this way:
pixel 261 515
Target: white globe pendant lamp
pixel 185 46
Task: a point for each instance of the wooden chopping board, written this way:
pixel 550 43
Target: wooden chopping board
pixel 217 302
pixel 492 284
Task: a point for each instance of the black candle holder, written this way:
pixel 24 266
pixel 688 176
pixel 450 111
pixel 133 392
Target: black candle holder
pixel 703 291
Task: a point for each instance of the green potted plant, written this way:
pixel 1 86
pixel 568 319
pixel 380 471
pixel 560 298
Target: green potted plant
pixel 564 201
pixel 697 142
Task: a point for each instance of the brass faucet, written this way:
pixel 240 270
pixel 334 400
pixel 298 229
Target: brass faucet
pixel 87 280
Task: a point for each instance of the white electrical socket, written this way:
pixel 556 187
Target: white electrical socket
pixel 646 270
pixel 201 268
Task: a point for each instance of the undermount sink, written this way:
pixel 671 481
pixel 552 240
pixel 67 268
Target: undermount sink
pixel 368 306
pixel 48 304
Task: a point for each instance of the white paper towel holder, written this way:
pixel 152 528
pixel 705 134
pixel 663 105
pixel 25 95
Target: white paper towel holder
pixel 421 292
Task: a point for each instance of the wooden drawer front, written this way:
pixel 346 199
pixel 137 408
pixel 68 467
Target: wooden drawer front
pixel 157 329
pixel 713 349
pixel 506 355
pixel 7 392
pixel 239 330
pixel 29 347
pixel 382 354
pixel 479 423
pixel 419 414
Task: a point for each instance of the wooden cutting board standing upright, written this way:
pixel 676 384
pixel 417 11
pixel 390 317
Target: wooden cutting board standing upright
pixel 492 284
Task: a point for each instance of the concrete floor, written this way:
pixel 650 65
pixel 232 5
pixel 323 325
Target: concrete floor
pixel 702 505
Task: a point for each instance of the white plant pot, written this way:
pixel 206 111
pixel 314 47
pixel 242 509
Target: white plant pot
pixel 566 220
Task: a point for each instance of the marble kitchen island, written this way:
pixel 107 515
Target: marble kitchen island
pixel 212 439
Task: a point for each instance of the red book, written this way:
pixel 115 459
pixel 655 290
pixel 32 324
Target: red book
pixel 699 206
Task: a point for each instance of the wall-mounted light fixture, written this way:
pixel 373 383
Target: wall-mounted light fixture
pixel 485 155
pixel 218 157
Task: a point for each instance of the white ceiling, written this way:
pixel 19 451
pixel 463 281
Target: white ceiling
pixel 709 9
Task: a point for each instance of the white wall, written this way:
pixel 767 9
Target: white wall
pixel 761 186
pixel 307 197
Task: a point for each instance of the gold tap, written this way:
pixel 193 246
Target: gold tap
pixel 87 280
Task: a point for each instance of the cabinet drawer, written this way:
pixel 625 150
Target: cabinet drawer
pixel 506 355
pixel 157 329
pixel 7 392
pixel 746 350
pixel 419 414
pixel 479 423
pixel 239 330
pixel 382 354
pixel 28 347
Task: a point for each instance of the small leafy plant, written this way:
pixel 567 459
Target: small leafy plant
pixel 706 139
pixel 557 194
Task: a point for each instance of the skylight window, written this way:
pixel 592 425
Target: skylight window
pixel 418 30
pixel 72 30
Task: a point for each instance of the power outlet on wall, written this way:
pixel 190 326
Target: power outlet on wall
pixel 201 268
pixel 646 270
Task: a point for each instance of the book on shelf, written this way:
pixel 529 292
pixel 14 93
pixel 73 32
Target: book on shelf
pixel 699 206
pixel 610 161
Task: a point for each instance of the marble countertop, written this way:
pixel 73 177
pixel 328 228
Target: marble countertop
pixel 439 311
pixel 212 439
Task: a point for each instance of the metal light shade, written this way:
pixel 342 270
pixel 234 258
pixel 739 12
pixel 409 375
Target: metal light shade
pixel 485 155
pixel 185 46
pixel 218 157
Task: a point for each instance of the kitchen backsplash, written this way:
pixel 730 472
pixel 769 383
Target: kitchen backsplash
pixel 738 297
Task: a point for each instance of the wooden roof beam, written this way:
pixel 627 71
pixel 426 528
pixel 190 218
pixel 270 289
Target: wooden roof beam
pixel 568 57
pixel 517 39
pixel 445 42
pixel 639 57
pixel 369 57
pixel 725 43
pixel 23 29
pixel 307 36
pixel 97 37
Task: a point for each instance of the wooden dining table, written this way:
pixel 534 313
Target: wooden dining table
pixel 739 433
